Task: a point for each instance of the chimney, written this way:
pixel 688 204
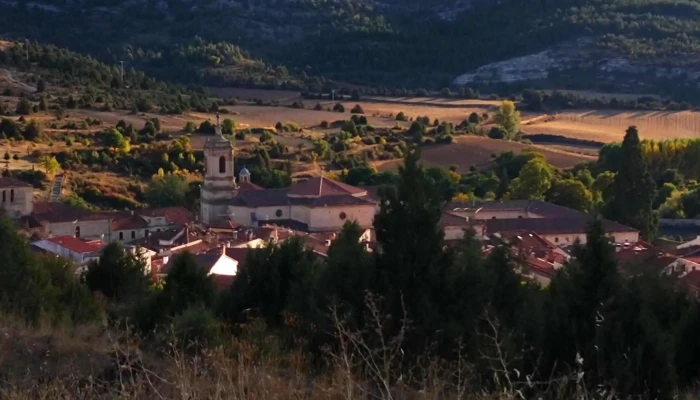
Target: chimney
pixel 223 249
pixel 235 235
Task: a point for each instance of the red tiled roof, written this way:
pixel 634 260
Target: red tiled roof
pixel 249 186
pixel 74 244
pixel 12 183
pixel 59 212
pixel 124 222
pixel 174 215
pixel 317 187
pixel 540 267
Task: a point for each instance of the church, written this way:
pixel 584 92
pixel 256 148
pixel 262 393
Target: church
pixel 314 205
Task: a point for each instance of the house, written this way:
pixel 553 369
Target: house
pixel 454 225
pixel 217 264
pixel 510 209
pixel 57 219
pixel 631 256
pixel 15 197
pixel 81 252
pixel 537 258
pixel 562 231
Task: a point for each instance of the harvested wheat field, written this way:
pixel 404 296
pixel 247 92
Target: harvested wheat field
pixel 609 126
pixel 477 150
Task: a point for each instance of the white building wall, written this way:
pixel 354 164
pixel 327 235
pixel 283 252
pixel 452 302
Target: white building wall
pixel 17 204
pixel 570 238
pixel 98 229
pixel 77 258
pixel 328 218
pixel 225 266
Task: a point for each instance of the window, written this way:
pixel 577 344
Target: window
pixel 121 235
pixel 278 213
pixel 77 231
pixel 222 164
pixel 556 240
pixel 343 215
pixel 133 234
pixel 12 195
pixel 145 233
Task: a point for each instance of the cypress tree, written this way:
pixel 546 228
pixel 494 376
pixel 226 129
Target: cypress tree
pixel 634 189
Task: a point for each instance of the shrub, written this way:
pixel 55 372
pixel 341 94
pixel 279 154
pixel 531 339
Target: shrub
pixel 498 133
pixel 357 109
pixel 318 107
pixel 401 116
pixel 338 107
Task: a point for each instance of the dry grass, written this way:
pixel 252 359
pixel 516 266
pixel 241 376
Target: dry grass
pixel 476 150
pixel 609 126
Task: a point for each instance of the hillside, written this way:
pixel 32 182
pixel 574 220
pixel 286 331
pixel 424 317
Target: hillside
pixel 648 44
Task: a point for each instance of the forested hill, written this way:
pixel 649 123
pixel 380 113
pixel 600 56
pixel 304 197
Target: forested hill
pixel 405 43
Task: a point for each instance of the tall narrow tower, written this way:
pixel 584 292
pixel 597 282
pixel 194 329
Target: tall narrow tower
pixel 219 186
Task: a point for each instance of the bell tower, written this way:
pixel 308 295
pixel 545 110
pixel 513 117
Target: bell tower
pixel 219 186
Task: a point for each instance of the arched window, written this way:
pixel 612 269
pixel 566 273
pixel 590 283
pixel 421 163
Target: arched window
pixel 77 231
pixel 12 195
pixel 222 164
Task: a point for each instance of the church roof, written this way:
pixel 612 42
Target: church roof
pixel 249 186
pixel 319 187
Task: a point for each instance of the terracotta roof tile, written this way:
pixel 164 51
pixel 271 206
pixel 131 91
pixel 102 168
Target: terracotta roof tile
pixel 77 245
pixel 174 215
pixel 249 186
pixel 323 187
pixel 124 222
pixel 59 212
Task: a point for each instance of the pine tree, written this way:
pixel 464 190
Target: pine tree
pixel 118 275
pixel 580 300
pixel 634 190
pixel 411 264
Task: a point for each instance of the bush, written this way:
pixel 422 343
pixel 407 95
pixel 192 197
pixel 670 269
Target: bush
pixel 338 107
pixel 401 116
pixel 357 109
pixel 318 107
pixel 24 107
pixel 265 137
pixel 498 133
pixel 195 326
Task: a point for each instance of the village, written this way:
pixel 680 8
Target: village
pixel 237 216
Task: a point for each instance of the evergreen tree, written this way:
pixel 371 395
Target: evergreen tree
pixel 411 264
pixel 634 190
pixel 274 279
pixel 580 297
pixel 348 274
pixel 186 285
pixel 118 274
